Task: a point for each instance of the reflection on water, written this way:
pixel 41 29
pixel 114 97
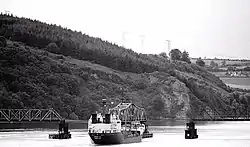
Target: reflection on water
pixel 47 125
pixel 228 134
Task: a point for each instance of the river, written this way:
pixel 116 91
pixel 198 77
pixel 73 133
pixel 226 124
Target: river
pixel 212 134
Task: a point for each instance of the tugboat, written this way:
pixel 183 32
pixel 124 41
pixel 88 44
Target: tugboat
pixel 124 123
pixel 63 132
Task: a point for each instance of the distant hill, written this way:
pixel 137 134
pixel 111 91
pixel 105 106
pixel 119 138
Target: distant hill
pixel 46 66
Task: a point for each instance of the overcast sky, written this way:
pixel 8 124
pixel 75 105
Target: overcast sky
pixel 204 28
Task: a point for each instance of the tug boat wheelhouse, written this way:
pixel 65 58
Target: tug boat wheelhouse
pixel 124 123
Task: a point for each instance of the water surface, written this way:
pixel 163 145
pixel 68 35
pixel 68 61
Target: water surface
pixel 227 134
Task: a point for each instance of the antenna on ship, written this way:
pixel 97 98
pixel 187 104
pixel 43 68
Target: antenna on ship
pixel 122 92
pixel 123 100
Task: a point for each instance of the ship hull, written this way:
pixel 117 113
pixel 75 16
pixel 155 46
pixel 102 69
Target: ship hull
pixel 114 138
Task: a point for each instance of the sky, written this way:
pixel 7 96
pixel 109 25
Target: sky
pixel 204 28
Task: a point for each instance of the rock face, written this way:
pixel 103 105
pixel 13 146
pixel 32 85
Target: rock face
pixel 181 99
pixel 174 93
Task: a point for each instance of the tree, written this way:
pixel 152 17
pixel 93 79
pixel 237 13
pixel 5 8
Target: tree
pixel 175 54
pixel 67 46
pixel 163 54
pixel 52 47
pixel 200 62
pixel 243 99
pixel 158 107
pixel 231 68
pixel 223 63
pixel 246 68
pixel 247 97
pixel 213 64
pixel 185 57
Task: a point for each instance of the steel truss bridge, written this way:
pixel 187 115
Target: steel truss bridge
pixel 129 112
pixel 125 110
pixel 241 113
pixel 28 115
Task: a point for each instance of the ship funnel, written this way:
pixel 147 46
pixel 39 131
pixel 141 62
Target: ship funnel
pixel 94 118
pixel 107 118
pixel 104 102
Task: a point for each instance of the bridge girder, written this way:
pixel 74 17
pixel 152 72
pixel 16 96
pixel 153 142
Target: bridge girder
pixel 235 114
pixel 129 112
pixel 20 115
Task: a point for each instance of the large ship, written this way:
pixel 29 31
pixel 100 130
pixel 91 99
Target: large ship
pixel 125 123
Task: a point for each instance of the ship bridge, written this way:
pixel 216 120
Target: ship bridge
pixel 129 112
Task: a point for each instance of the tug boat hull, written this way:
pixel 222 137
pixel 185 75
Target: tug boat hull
pixel 114 138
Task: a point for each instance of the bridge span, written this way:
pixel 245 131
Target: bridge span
pixel 233 114
pixel 29 115
pixel 50 115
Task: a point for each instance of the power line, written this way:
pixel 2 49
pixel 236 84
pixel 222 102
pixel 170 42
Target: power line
pixel 142 40
pixel 124 38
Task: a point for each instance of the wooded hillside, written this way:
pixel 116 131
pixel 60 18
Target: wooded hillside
pixel 45 66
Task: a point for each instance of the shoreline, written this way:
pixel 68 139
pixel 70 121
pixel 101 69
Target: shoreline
pixel 83 124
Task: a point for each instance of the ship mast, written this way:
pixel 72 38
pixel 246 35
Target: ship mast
pixel 104 106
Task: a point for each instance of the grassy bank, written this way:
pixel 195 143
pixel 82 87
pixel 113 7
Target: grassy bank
pixel 243 83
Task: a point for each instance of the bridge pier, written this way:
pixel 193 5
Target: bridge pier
pixel 63 132
pixel 190 132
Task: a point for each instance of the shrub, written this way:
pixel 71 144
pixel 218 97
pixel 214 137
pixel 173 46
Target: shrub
pixel 52 47
pixel 200 62
pixel 3 42
pixel 175 54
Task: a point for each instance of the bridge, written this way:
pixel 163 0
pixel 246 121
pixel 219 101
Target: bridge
pixel 131 111
pixel 28 115
pixel 240 113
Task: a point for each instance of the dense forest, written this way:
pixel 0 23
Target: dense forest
pixel 77 45
pixel 44 65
